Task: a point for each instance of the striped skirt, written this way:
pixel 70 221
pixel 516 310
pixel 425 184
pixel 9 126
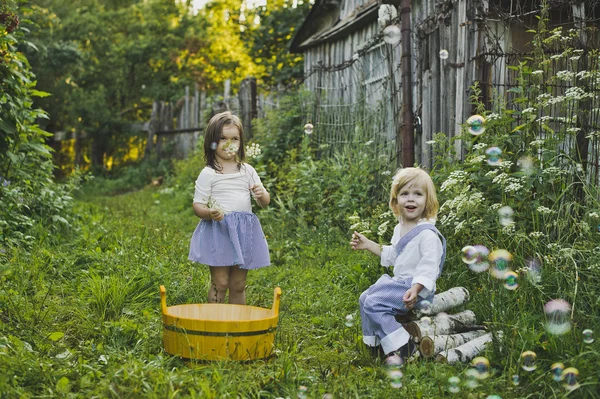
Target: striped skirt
pixel 237 239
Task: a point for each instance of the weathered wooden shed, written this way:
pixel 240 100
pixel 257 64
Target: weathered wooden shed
pixel 453 43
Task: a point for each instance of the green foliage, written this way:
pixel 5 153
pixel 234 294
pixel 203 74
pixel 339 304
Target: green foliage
pixel 278 20
pixel 542 176
pixel 29 199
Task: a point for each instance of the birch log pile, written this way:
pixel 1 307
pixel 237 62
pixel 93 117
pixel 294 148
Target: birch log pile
pixel 449 337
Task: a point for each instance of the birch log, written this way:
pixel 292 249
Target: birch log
pixel 431 346
pixel 442 302
pixel 466 351
pixel 441 324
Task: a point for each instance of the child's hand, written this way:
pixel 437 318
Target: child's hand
pixel 258 191
pixel 411 296
pixel 216 214
pixel 359 241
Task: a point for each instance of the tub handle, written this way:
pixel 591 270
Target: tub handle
pixel 163 299
pixel 276 299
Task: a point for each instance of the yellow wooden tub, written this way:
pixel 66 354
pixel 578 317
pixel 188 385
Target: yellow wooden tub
pixel 212 331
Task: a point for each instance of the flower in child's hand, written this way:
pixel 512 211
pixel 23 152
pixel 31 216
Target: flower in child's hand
pixel 231 148
pixel 216 214
pixel 258 191
pixel 253 150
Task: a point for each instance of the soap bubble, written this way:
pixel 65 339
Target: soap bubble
pixel 302 392
pixel 475 123
pixel 515 379
pixel 453 384
pixel 478 258
pixel 395 377
pixel 444 54
pixel 425 321
pixel 308 128
pixel 528 358
pixel 392 34
pixel 500 259
pixel 482 366
pixel 424 305
pixel 493 397
pixel 510 281
pixel 526 164
pixel 557 369
pixel 534 270
pixel 213 146
pixel 393 362
pixel 469 254
pixel 472 377
pixel 494 154
pixel 558 320
pixel 588 336
pixel 349 320
pixel 505 215
pixel 569 376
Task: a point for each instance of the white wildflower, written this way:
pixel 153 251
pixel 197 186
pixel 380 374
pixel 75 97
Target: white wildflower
pixel 593 215
pixel 528 110
pixel 538 143
pixel 382 229
pixel 536 234
pixel 538 72
pixel 386 173
pixel 543 119
pixel 493 116
pixel 513 187
pixel 459 227
pixel 544 211
pixel 573 129
pixel 477 159
pixel 501 178
pixel 496 206
pixel 479 146
pixel 509 228
pixel 565 75
pixel 492 173
pixel 506 164
pixel 430 142
pixel 253 150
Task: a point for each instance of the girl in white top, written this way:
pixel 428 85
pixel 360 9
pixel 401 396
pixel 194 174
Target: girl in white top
pixel 229 238
pixel 417 255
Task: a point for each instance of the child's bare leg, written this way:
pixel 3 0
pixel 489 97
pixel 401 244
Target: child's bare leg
pixel 219 282
pixel 237 285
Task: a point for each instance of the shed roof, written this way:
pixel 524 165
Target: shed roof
pixel 323 23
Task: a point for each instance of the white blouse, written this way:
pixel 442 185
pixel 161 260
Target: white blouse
pixel 230 191
pixel 420 259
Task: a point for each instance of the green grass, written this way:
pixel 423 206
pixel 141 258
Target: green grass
pixel 82 319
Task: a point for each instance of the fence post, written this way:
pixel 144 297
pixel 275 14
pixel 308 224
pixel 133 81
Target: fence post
pixel 154 118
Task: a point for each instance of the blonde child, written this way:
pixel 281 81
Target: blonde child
pixel 229 238
pixel 417 255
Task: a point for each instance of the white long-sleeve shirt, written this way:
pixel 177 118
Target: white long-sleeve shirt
pixel 231 191
pixel 420 259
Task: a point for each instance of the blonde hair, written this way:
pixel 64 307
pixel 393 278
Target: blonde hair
pixel 420 177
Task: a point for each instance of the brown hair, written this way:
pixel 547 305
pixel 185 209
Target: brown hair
pixel 420 177
pixel 213 135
